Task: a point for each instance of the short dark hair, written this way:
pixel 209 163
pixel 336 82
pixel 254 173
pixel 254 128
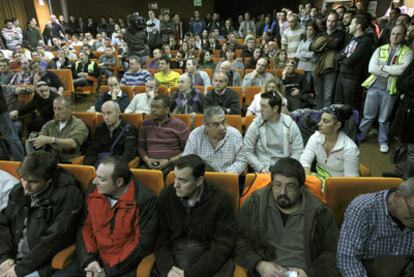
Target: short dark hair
pixel 121 168
pixel 166 59
pixel 362 20
pixel 165 100
pixel 341 112
pixel 193 161
pixel 289 167
pixel 40 164
pixel 274 99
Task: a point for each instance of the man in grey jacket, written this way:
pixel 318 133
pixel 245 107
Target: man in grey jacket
pixel 271 136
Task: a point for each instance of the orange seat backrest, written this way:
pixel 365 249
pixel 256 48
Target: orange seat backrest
pixel 248 120
pixel 135 119
pixel 249 94
pixel 151 179
pixel 10 166
pixel 186 118
pixel 83 173
pixel 239 92
pixel 65 75
pixel 90 120
pixel 228 182
pixel 340 191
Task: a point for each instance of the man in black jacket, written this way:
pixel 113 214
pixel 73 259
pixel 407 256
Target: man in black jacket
pixel 41 217
pixel 197 233
pixel 353 64
pixel 403 124
pixel 112 137
pixel 8 132
pixel 222 96
pixel 42 102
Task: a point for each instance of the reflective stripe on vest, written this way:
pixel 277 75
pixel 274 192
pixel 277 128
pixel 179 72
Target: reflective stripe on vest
pixel 90 66
pixel 384 52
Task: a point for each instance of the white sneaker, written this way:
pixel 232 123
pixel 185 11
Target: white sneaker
pixel 384 148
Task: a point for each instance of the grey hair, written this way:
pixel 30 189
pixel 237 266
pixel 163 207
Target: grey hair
pixel 212 111
pixel 407 188
pixel 114 105
pixel 65 100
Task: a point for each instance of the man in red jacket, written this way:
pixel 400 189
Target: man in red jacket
pixel 119 227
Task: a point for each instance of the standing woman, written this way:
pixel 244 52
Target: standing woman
pixel 336 154
pixel 306 56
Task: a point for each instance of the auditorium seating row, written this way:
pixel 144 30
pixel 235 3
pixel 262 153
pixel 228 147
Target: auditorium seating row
pixel 338 194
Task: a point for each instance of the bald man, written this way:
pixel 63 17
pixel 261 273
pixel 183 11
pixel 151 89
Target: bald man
pixel 222 96
pixel 232 76
pixel 112 137
pixel 186 99
pixel 115 94
pixel 258 76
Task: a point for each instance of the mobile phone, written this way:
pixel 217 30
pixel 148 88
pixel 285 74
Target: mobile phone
pixel 155 163
pixel 291 273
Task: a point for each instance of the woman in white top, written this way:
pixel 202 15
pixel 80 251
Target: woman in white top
pixel 274 85
pixel 336 154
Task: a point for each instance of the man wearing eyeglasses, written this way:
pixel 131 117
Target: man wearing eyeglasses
pixel 377 235
pixel 284 230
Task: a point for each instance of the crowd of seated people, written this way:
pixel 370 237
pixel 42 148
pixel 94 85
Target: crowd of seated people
pixel 313 62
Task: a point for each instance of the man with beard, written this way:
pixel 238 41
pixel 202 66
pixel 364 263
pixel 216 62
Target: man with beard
pixel 284 228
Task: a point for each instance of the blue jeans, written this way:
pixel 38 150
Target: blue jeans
pixel 324 89
pixel 10 135
pixel 378 102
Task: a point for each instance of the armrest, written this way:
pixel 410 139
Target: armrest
pixel 239 271
pixel 364 170
pixel 78 160
pixel 63 258
pixel 145 266
pixel 133 163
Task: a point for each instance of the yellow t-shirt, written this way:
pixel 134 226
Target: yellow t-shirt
pixel 170 79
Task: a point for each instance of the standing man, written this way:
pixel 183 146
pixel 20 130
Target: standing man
pixel 353 62
pixel 386 64
pixel 197 225
pixel 292 35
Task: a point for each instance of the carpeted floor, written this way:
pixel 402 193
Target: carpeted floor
pixel 370 154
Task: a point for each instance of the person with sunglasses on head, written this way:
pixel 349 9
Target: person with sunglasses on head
pixel 377 235
pixel 336 154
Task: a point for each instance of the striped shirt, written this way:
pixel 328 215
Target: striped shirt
pixel 368 232
pixel 162 142
pixel 139 78
pixel 291 40
pixel 228 156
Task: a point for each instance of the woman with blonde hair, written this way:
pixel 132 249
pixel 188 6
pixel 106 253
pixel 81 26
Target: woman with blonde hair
pixel 274 85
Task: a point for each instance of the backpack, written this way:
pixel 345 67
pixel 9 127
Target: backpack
pixel 308 119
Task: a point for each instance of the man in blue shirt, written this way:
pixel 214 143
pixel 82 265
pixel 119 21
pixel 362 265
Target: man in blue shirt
pixel 377 235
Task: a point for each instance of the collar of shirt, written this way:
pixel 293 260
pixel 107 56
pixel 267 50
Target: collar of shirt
pixel 112 129
pixel 118 95
pixel 190 203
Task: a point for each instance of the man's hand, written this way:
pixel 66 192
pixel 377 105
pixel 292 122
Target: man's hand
pixel 152 163
pixel 175 272
pixel 11 272
pixel 14 114
pixel 301 272
pixel 94 270
pixel 5 266
pixel 163 163
pixel 114 94
pixel 294 92
pixel 268 269
pixel 40 141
